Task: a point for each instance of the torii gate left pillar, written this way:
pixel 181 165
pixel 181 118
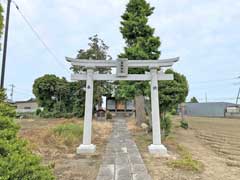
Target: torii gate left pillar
pixel 87 146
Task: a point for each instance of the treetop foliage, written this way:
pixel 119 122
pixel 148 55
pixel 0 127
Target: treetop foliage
pixel 140 44
pixel 135 19
pixel 97 50
pixel 139 36
pixel 194 100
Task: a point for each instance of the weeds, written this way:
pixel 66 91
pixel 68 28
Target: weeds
pixel 184 124
pixel 166 125
pixel 70 133
pixel 186 161
pixel 109 115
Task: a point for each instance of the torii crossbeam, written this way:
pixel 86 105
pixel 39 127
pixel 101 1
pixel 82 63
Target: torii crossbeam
pixel 122 65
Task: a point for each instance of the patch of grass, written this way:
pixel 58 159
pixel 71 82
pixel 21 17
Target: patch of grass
pixel 184 124
pixel 186 161
pixel 109 115
pixel 143 140
pixel 69 132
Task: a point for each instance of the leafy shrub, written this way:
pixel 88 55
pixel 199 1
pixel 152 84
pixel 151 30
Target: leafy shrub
pixel 174 112
pixel 16 161
pixel 109 115
pixel 71 133
pixel 184 124
pixel 46 114
pixel 25 115
pixel 68 115
pixel 7 110
pixel 78 112
pixel 38 112
pixel 56 114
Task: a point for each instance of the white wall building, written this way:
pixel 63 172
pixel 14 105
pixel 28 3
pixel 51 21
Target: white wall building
pixel 28 106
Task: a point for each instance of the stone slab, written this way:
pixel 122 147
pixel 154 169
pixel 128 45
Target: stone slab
pixel 85 149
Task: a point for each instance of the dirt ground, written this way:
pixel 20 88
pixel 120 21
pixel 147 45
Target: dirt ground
pixel 66 164
pixel 213 142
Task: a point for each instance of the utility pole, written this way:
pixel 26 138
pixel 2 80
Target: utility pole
pixel 12 89
pixel 206 97
pixel 238 97
pixel 5 44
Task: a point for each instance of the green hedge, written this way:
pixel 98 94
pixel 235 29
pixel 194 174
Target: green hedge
pixel 17 162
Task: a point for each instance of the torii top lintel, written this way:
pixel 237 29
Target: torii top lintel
pixel 86 63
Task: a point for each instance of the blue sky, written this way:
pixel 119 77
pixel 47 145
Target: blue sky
pixel 205 34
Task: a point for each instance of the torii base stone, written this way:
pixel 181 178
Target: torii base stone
pixel 86 149
pixel 158 149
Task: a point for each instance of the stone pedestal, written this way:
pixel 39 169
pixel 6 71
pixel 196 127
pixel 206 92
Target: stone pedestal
pixel 86 149
pixel 158 149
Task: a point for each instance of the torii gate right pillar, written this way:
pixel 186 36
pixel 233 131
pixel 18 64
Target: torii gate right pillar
pixel 157 147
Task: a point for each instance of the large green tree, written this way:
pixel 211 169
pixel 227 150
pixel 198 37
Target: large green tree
pixel 141 44
pixel 171 94
pixel 48 90
pixel 97 50
pixel 59 97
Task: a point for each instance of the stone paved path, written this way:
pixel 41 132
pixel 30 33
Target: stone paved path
pixel 122 160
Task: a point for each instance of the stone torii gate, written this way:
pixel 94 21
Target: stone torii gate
pixel 122 66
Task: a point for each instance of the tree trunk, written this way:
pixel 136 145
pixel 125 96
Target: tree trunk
pixel 140 110
pixel 149 114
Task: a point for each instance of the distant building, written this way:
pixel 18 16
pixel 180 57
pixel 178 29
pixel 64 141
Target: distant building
pixel 210 109
pixel 114 105
pixel 28 106
pixel 233 112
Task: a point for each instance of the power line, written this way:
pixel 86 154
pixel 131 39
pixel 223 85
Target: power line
pixel 20 92
pixel 238 96
pixel 218 99
pixel 214 81
pixel 211 86
pixel 39 38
